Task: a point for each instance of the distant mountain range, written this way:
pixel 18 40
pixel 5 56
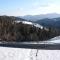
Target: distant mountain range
pixel 54 23
pixel 38 17
pixel 47 20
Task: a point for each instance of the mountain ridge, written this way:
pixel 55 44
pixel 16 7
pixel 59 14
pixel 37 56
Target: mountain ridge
pixel 42 16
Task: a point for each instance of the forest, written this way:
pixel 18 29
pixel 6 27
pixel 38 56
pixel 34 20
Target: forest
pixel 10 31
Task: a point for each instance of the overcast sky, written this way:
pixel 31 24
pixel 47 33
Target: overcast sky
pixel 28 7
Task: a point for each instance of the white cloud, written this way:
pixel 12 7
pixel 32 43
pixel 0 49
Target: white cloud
pixel 52 8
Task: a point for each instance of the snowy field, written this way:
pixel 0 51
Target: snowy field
pixel 7 53
pixel 28 54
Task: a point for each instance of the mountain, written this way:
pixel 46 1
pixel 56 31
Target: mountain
pixel 20 19
pixel 18 30
pixel 54 22
pixel 46 20
pixel 31 23
pixel 42 16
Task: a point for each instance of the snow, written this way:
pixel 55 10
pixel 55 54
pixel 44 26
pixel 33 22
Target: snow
pixel 28 54
pixel 26 22
pixel 30 23
pixel 14 53
pixel 38 25
pixel 55 39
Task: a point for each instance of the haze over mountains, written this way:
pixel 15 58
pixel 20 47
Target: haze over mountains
pixel 42 16
pixel 47 20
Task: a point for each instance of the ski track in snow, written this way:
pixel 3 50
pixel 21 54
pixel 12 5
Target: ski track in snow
pixel 28 54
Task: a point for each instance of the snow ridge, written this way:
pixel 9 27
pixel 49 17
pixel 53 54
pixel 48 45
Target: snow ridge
pixel 30 23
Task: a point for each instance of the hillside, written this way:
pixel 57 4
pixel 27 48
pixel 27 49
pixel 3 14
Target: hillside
pixel 10 30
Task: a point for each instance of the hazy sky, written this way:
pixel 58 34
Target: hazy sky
pixel 29 7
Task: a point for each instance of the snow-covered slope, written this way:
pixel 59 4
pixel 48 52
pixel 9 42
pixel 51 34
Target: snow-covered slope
pixel 55 40
pixel 30 23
